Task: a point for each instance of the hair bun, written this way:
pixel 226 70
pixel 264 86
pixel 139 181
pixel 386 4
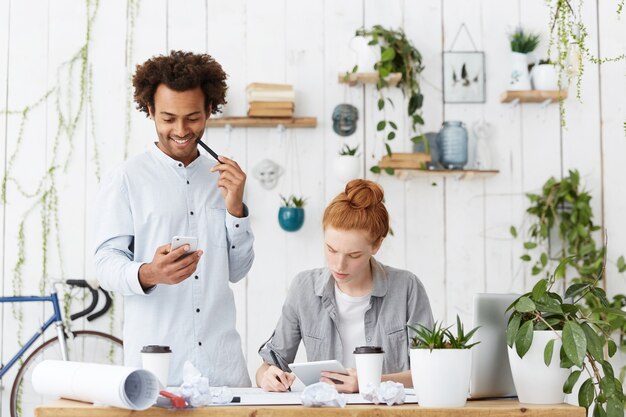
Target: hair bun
pixel 363 194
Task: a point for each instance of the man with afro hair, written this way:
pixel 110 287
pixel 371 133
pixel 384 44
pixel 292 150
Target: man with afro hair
pixel 173 297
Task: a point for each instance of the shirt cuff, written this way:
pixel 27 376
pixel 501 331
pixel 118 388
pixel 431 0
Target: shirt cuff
pixel 238 226
pixel 132 279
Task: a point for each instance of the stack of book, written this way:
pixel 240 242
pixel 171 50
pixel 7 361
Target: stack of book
pixel 270 100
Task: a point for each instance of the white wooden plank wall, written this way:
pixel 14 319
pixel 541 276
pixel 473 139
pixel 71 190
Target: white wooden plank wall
pixel 454 234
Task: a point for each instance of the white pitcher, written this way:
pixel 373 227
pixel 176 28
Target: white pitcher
pixel 519 79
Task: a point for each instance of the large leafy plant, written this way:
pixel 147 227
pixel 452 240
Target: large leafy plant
pixel 441 338
pixel 584 337
pixel 523 41
pixel 397 54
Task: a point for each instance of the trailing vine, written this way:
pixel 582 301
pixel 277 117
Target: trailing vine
pixel 132 11
pixel 568 35
pixel 45 196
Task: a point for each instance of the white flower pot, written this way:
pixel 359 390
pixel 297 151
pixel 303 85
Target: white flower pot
pixel 535 382
pixel 347 167
pixel 441 377
pixel 544 77
pixel 519 79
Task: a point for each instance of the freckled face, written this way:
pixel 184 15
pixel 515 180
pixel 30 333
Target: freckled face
pixel 348 254
pixel 179 118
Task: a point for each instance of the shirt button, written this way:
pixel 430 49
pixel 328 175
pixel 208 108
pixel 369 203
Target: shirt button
pixel 236 225
pixel 232 247
pixel 180 165
pixel 369 339
pixel 199 343
pixel 196 277
pixel 187 181
pixel 197 310
pixel 191 212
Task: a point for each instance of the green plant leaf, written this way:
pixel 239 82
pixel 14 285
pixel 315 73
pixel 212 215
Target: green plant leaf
pixel 547 304
pixel 614 407
pixel 388 54
pixel 595 343
pixel 559 272
pixel 575 289
pixel 540 289
pixel 388 149
pixel 612 347
pixel 391 136
pixel 393 125
pixel 543 259
pixel 513 231
pixel 512 328
pixel 524 338
pixel 607 368
pixel 574 342
pixel 571 381
pixel 525 305
pixel 586 394
pixel 381 125
pixel 390 171
pixel 621 264
pixel 547 352
pixel 530 245
pixel 525 258
pixel 375 169
pixel 381 103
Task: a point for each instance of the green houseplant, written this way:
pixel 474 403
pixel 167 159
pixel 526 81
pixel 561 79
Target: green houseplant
pixel 440 364
pixel 524 42
pixel 291 213
pixel 578 340
pixel 397 54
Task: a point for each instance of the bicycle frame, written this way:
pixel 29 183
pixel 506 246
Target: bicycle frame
pixel 56 319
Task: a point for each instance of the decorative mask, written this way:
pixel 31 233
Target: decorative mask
pixel 345 117
pixel 267 172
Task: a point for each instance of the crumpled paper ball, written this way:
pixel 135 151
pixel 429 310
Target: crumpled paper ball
pixel 197 392
pixel 387 392
pixel 321 394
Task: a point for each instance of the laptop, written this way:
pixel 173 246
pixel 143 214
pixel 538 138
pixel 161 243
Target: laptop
pixel 491 373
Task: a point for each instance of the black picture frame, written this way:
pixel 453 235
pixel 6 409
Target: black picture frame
pixel 464 77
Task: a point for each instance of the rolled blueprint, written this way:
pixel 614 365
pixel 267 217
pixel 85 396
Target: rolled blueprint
pixel 118 386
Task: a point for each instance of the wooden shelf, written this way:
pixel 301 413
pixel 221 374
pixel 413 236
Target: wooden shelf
pixel 458 174
pixel 287 122
pixel 368 78
pixel 532 96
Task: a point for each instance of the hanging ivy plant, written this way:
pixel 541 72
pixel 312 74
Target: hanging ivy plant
pixel 397 54
pixel 568 41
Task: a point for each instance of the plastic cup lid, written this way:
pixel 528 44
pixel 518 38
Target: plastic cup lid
pixel 156 349
pixel 368 349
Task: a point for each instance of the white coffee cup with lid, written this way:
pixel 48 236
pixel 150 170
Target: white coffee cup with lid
pixel 369 366
pixel 156 359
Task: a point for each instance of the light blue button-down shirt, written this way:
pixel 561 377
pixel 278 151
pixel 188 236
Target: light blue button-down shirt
pixel 142 205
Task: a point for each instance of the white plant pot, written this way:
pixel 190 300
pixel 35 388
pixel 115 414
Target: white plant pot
pixel 347 167
pixel 535 382
pixel 544 77
pixel 519 79
pixel 441 377
pixel 365 55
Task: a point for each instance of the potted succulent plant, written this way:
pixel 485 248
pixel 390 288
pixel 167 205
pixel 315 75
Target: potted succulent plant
pixel 549 336
pixel 347 166
pixel 522 44
pixel 441 364
pixel 291 214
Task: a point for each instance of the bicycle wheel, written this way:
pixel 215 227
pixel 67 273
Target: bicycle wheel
pixel 85 346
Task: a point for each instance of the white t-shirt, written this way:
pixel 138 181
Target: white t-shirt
pixel 351 317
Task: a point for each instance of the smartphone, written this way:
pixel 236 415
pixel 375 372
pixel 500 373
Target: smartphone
pixel 178 241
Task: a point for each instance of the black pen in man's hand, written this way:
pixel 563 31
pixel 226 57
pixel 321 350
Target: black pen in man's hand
pixel 209 150
pixel 277 364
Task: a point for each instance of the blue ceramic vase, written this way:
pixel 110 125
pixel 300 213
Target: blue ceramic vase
pixel 291 219
pixel 452 145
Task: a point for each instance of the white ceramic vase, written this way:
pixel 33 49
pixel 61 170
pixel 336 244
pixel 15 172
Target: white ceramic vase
pixel 441 377
pixel 544 77
pixel 535 382
pixel 519 79
pixel 347 167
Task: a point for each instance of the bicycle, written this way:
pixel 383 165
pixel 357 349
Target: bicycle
pixel 81 345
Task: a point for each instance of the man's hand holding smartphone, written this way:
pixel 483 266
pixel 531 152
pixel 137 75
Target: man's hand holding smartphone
pixel 172 263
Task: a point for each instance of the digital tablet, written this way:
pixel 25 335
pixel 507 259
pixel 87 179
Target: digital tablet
pixel 311 372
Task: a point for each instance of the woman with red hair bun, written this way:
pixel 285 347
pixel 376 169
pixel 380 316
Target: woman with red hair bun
pixel 354 301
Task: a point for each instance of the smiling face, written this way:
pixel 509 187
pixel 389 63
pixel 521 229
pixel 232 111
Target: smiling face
pixel 179 118
pixel 348 254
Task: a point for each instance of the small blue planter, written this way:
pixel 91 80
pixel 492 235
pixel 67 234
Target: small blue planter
pixel 291 219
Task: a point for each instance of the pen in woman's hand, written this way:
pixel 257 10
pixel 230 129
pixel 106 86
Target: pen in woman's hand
pixel 277 364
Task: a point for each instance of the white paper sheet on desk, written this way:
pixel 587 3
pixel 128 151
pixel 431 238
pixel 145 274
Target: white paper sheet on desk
pixel 256 396
pixel 118 386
